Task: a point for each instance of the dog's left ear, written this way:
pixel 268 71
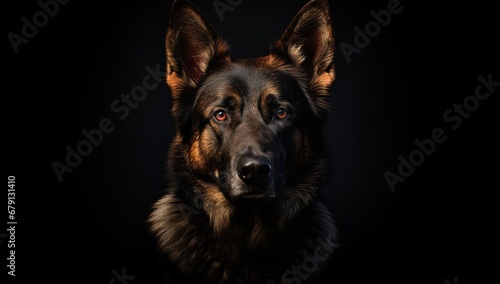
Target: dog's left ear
pixel 308 44
pixel 192 45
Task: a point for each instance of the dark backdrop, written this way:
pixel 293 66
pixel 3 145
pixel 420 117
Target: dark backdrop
pixel 435 227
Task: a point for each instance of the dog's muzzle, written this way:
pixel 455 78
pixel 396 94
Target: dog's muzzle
pixel 255 172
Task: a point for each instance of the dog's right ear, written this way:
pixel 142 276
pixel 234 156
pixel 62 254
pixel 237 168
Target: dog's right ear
pixel 192 45
pixel 308 43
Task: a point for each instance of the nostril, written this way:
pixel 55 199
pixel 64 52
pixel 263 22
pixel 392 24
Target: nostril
pixel 246 169
pixel 245 172
pixel 263 170
pixel 254 170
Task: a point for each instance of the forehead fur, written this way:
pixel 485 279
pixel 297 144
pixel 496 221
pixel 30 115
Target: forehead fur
pixel 250 79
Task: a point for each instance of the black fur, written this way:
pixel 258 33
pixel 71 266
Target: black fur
pixel 249 158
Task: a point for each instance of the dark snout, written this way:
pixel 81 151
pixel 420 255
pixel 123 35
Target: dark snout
pixel 254 166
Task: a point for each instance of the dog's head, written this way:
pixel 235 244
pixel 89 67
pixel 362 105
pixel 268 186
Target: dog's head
pixel 252 126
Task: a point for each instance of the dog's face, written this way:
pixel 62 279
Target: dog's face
pixel 251 126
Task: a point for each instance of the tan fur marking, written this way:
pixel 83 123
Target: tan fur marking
pixel 271 60
pixel 195 156
pixel 326 79
pixel 269 91
pixel 175 83
pixel 201 151
pixel 218 208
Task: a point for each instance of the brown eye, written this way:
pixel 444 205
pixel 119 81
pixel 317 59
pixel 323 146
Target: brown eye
pixel 220 115
pixel 281 113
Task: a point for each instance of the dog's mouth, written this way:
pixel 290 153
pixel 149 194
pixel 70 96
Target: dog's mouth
pixel 235 189
pixel 257 193
pixel 254 195
pixel 242 191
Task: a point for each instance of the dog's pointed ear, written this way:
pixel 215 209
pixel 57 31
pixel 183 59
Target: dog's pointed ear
pixel 308 43
pixel 192 44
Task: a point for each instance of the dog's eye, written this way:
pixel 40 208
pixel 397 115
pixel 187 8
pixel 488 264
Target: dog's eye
pixel 220 115
pixel 281 113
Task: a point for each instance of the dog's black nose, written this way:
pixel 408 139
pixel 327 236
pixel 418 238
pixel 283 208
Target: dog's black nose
pixel 254 170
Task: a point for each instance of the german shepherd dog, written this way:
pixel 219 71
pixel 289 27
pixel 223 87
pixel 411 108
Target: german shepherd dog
pixel 248 162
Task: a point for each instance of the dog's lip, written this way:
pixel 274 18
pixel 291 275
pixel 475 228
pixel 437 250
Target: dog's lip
pixel 253 195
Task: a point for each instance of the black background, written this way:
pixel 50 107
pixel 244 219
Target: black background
pixel 439 224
